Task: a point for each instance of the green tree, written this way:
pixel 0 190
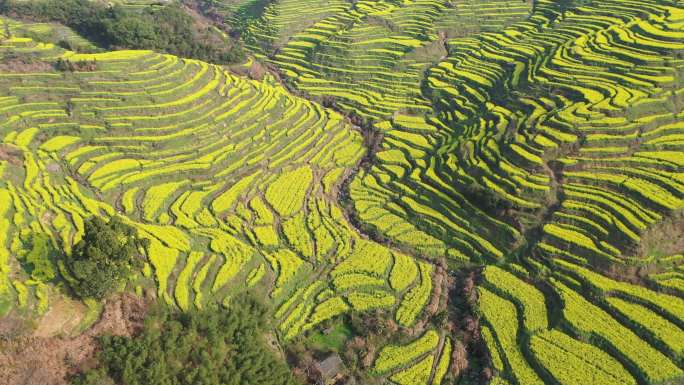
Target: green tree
pixel 167 28
pixel 107 254
pixel 134 32
pixel 208 347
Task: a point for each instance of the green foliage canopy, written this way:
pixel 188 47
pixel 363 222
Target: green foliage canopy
pixel 167 28
pixel 106 255
pixel 207 347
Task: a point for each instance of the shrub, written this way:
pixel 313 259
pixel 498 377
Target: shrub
pixel 38 259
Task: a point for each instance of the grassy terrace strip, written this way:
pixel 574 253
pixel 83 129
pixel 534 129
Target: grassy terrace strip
pixel 530 299
pixel 415 299
pixel 585 318
pixel 574 362
pixel 673 277
pixel 5 232
pixel 284 196
pixel 444 361
pixel 671 305
pixel 501 316
pixel 392 357
pixel 416 374
pixel 663 330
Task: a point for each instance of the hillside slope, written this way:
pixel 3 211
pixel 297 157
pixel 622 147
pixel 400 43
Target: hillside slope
pixel 534 150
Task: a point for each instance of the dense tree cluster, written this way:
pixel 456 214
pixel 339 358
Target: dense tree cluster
pixel 168 28
pixel 107 254
pixel 207 347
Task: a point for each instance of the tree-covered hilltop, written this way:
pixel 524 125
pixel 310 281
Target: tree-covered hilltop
pixel 169 28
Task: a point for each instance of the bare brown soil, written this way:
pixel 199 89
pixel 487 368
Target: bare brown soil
pixel 11 154
pixel 666 238
pixel 63 317
pixel 40 358
pixel 19 65
pixel 663 239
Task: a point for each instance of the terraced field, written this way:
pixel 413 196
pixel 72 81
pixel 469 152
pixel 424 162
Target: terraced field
pixel 370 55
pixel 233 181
pixel 538 145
